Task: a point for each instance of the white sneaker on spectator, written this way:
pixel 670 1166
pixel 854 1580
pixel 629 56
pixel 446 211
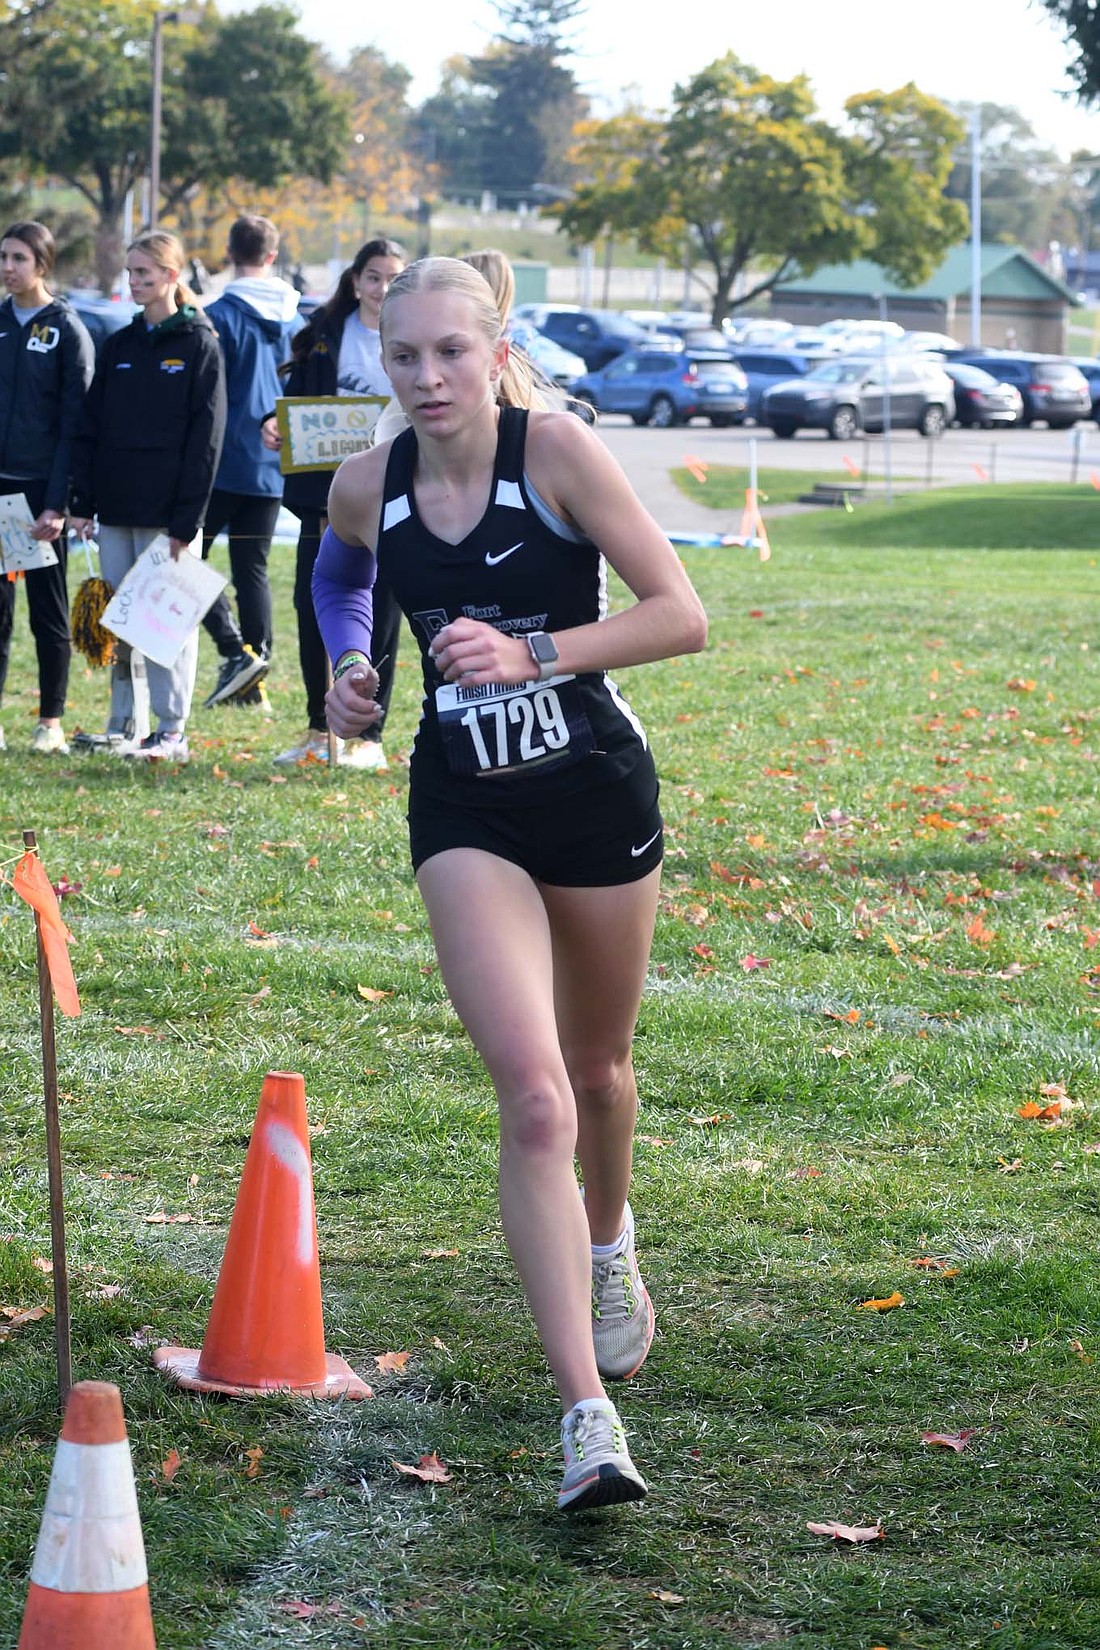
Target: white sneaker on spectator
pixel 366 754
pixel 49 740
pixel 311 747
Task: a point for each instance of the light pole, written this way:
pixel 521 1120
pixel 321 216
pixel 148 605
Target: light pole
pixel 159 20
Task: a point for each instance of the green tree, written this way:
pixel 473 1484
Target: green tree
pixel 503 120
pixel 1026 187
pixel 1080 20
pixel 243 98
pixel 745 175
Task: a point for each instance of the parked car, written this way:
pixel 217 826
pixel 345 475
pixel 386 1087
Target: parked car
pixel 665 388
pixel 100 315
pixel 758 332
pixel 1089 367
pixel 765 367
pixel 557 363
pixel 849 395
pixel 980 400
pixel 695 336
pixel 1052 386
pixel 928 343
pixel 597 335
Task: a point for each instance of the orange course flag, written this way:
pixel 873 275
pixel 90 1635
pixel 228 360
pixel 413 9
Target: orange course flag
pixel 32 884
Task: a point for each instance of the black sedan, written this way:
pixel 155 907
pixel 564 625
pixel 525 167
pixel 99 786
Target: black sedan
pixel 980 399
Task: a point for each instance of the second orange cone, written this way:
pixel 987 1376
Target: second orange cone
pixel 266 1332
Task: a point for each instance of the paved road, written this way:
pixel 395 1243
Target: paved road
pixel 960 456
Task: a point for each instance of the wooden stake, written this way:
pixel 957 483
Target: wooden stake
pixel 62 1328
pixel 328 683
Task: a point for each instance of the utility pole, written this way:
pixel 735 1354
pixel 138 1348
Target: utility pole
pixel 976 227
pixel 159 19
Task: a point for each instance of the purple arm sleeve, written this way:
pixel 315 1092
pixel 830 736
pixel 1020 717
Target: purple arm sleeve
pixel 343 598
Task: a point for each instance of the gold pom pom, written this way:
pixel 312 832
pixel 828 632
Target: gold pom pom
pixel 89 636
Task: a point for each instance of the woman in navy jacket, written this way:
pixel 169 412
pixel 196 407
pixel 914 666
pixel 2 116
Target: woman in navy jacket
pixel 145 459
pixel 46 364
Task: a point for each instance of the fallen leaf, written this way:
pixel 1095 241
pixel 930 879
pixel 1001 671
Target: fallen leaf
pixel 159 1218
pixel 805 1174
pixel 848 1532
pixel 949 1440
pixel 108 1291
pixel 440 1346
pixel 17 1316
pixel 143 1337
pixel 751 1165
pixel 750 962
pixel 392 1360
pixel 369 994
pixel 253 1456
pixel 41 1264
pixel 929 1263
pixel 440 1254
pixel 1075 1346
pixel 663 1596
pixel 886 1304
pixel 1005 1167
pixel 305 1612
pixel 1021 684
pixel 258 996
pixel 430 1470
pixel 170 1465
pixel 1046 1114
pixel 850 1019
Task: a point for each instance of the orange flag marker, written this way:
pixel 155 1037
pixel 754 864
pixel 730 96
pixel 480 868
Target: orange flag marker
pixel 982 475
pixel 850 465
pixel 32 884
pixel 1094 477
pixel 697 467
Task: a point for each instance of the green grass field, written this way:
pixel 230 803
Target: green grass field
pixel 879 941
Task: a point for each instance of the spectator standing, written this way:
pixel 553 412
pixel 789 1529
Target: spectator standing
pixel 46 365
pixel 255 319
pixel 340 353
pixel 145 459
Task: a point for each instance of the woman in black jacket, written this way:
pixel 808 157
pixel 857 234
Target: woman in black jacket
pixel 46 364
pixel 339 353
pixel 145 459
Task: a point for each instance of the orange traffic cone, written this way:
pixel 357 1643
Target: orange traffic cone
pixel 265 1332
pixel 89 1585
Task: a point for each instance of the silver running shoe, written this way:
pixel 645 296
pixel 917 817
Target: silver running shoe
pixel 623 1319
pixel 598 1468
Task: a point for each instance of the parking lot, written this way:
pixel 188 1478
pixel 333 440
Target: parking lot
pixel 958 458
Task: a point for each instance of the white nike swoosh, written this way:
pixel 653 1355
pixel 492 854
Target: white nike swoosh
pixel 491 561
pixel 636 853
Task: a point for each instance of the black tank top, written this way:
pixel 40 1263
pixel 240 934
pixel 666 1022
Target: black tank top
pixel 529 741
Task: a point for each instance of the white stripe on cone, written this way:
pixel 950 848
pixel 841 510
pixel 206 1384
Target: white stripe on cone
pixel 90 1539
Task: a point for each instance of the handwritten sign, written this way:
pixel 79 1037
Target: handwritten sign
pixel 320 432
pixel 161 601
pixel 19 553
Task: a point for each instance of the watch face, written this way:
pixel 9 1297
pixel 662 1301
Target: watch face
pixel 542 646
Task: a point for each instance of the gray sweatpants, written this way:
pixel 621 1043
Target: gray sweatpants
pixel 170 687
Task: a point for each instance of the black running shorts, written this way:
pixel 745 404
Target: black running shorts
pixel 595 838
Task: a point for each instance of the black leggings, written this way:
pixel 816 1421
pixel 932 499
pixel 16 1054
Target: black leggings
pixel 311 649
pixel 48 609
pixel 251 521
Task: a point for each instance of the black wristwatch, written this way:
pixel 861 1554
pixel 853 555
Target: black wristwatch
pixel 545 654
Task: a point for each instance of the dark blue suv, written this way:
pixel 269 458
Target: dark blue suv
pixel 765 367
pixel 666 387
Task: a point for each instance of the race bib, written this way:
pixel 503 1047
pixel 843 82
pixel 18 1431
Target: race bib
pixel 504 727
